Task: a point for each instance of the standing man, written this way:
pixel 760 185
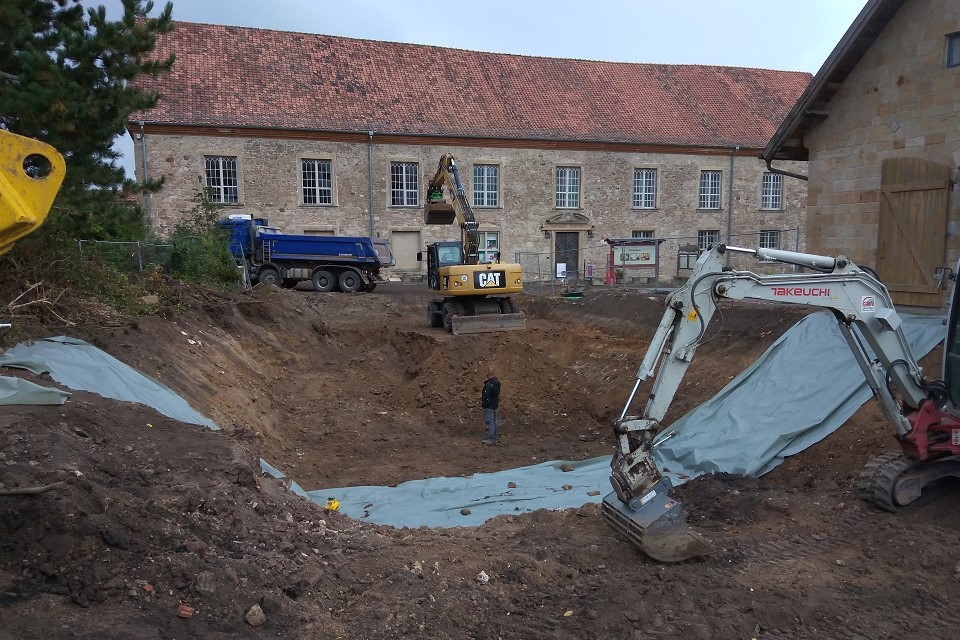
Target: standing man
pixel 490 402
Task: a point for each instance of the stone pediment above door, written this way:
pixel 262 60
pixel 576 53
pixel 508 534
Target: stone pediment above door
pixel 567 218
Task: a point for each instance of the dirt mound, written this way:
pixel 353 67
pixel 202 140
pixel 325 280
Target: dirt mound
pixel 150 514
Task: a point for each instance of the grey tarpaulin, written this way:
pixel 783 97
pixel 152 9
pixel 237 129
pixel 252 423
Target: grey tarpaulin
pixel 798 392
pixel 20 391
pixel 437 502
pixel 80 365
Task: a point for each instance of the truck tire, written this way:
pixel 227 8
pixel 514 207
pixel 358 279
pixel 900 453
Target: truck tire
pixel 269 276
pixel 350 281
pixel 371 287
pixel 323 281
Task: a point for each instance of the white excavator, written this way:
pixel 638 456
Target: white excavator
pixel 925 415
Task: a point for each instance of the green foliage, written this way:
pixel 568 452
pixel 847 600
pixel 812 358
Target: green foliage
pixel 67 78
pixel 200 248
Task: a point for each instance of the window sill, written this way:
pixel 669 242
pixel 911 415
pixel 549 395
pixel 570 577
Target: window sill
pixel 404 206
pixel 645 209
pixel 771 210
pixel 316 206
pixel 709 210
pixel 230 205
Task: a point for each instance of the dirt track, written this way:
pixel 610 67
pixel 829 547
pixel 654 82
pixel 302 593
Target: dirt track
pixel 355 389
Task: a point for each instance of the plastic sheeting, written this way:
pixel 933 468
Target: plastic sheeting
pixel 798 392
pixel 80 365
pixel 20 391
pixel 437 502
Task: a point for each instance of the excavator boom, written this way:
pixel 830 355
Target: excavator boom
pixel 639 506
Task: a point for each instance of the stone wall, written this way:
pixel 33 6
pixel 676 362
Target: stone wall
pixel 901 101
pixel 270 188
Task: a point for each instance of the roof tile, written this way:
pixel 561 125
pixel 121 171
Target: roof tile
pixel 238 76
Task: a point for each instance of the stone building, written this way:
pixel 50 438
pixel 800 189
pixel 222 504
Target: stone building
pixel 333 135
pixel 880 128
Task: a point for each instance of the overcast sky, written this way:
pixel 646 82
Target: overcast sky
pixel 770 34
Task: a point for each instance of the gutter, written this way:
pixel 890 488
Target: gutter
pixel 783 172
pixel 370 179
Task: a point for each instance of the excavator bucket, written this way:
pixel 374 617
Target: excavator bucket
pixel 439 213
pixel 488 323
pixel 657 527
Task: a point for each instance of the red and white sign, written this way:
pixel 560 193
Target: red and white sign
pixel 868 304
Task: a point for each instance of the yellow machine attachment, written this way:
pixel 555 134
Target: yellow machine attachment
pixel 31 173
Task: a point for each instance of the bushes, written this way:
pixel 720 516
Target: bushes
pixel 200 252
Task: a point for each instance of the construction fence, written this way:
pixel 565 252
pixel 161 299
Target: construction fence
pixel 127 257
pixel 667 264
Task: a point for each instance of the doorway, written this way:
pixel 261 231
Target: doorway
pixel 566 251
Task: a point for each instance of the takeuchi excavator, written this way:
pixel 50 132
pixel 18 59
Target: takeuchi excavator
pixel 926 417
pixel 476 295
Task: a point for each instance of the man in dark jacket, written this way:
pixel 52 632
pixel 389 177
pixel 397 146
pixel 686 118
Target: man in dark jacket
pixel 490 402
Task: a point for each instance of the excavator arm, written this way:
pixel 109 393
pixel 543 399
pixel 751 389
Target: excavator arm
pixel 30 176
pixel 441 210
pixel 639 506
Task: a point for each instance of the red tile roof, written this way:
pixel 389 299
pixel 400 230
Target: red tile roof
pixel 233 76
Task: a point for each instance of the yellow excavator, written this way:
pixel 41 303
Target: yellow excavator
pixel 476 296
pixel 31 173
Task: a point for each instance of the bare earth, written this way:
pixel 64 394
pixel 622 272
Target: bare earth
pixel 355 389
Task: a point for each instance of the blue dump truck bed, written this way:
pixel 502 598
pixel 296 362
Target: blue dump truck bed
pixel 281 246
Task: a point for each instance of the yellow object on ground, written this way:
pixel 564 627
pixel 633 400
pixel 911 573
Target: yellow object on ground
pixel 331 504
pixel 31 173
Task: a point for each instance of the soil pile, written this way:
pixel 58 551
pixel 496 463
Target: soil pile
pixel 156 529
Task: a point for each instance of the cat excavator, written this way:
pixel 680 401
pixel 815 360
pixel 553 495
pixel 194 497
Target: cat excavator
pixel 925 418
pixel 476 296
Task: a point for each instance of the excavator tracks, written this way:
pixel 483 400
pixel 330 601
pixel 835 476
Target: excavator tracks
pixel 878 480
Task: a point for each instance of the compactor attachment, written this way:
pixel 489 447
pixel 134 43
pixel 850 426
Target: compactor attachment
pixel 656 525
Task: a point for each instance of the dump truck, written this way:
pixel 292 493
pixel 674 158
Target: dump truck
pixel 331 263
pixel 476 296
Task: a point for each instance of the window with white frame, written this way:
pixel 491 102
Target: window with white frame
pixel 404 184
pixel 489 246
pixel 707 238
pixel 771 191
pixel 221 179
pixel 568 188
pixel 316 178
pixel 486 185
pixel 709 190
pixel 644 188
pixel 769 239
pixel 953 50
pixel 642 233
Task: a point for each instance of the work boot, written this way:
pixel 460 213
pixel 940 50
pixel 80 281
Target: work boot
pixel 489 441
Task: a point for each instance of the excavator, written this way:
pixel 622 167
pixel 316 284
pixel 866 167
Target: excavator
pixel 476 297
pixel 925 418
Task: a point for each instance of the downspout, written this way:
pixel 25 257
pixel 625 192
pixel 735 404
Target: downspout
pixel 370 179
pixel 798 176
pixel 143 163
pixel 733 154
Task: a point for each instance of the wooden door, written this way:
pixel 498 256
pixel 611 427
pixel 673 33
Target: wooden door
pixel 911 237
pixel 567 251
pixel 405 245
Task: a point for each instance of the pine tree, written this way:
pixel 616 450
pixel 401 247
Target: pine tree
pixel 66 78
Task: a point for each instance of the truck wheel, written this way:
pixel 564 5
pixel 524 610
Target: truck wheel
pixel 323 281
pixel 371 287
pixel 350 282
pixel 269 276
